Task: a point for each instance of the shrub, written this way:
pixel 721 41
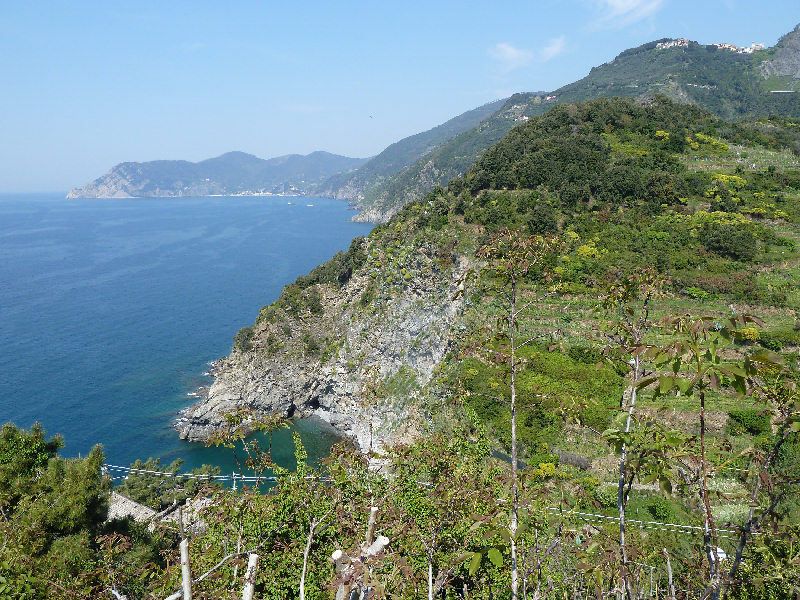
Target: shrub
pixel 770 344
pixel 339 269
pixel 661 509
pixel 539 458
pixel 748 334
pixel 776 339
pixel 295 300
pixel 542 219
pixel 749 420
pixel 368 295
pixel 243 340
pixel 731 241
pixel 696 293
pixel 606 495
pixel 596 416
pixel 311 345
pixel 585 354
pixel 158 491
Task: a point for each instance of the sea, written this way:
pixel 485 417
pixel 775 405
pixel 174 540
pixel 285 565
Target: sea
pixel 111 311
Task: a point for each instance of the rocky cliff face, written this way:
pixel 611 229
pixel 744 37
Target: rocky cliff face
pixel 396 341
pixel 114 184
pixel 138 180
pixel 786 62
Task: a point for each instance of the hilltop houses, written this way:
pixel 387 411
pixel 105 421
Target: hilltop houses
pixel 680 42
pixel 683 42
pixel 740 49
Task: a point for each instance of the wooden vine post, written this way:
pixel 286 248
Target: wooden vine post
pixel 351 568
pixel 250 577
pixel 186 570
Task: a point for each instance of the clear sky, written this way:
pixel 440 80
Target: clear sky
pixel 86 85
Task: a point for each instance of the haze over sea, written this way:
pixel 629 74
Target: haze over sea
pixel 111 310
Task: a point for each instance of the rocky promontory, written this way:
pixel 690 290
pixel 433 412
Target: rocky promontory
pixel 358 355
pixel 230 174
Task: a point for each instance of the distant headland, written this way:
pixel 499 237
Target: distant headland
pixel 232 174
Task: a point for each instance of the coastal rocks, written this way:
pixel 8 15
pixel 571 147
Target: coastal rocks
pixel 114 184
pixel 394 343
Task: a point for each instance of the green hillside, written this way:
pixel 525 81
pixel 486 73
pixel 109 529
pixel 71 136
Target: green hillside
pixel 731 85
pixel 400 155
pixel 601 250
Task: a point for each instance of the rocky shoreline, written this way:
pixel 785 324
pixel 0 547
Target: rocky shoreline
pixel 401 342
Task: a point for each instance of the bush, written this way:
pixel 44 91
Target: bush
pixel 748 334
pixel 311 345
pixel 368 295
pixel 606 495
pixel 339 269
pixel 243 340
pixel 731 241
pixel 774 345
pixel 585 354
pixel 596 416
pixel 776 339
pixel 661 509
pixel 542 219
pixel 160 491
pixel 750 420
pixel 540 458
pixel 696 293
pixel 295 300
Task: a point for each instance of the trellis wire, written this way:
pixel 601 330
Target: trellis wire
pixel 238 478
pixel 653 525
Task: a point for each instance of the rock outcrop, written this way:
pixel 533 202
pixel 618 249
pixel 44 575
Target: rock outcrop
pixel 396 341
pixel 786 59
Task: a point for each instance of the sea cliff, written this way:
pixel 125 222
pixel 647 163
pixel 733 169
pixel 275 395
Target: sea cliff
pixel 360 361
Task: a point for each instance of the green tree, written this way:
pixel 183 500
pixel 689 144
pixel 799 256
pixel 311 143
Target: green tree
pixel 511 258
pixel 442 496
pixel 698 368
pixel 51 513
pixel 627 306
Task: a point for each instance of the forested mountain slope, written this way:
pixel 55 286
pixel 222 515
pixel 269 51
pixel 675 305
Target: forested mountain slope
pixel 404 337
pixel 709 203
pixel 402 154
pixel 730 84
pixel 586 298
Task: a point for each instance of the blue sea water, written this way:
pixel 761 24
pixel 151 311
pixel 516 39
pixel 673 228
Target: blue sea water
pixel 111 310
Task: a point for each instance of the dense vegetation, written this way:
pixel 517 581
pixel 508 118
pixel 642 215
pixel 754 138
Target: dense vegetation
pixel 406 152
pixel 732 86
pixel 610 367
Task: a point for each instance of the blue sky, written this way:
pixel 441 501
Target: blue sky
pixel 86 85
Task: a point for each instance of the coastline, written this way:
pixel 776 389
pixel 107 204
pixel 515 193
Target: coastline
pixel 403 340
pixel 248 194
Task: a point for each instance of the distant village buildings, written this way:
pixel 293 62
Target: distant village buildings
pixel 683 42
pixel 680 42
pixel 516 113
pixel 740 49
